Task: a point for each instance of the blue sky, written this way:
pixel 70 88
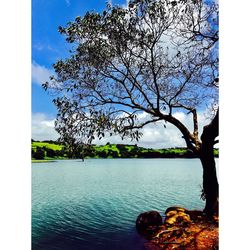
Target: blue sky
pixel 48 46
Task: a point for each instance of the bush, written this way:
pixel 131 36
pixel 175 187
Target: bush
pixel 50 152
pixel 39 154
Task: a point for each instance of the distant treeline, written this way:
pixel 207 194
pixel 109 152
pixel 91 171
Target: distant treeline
pixel 54 150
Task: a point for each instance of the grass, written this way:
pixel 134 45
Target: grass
pixel 107 148
pixel 41 161
pixel 47 145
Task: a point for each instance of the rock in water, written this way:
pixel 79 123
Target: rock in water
pixel 147 223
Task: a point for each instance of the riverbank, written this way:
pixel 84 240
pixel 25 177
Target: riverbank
pixel 41 161
pixel 48 150
pixel 182 229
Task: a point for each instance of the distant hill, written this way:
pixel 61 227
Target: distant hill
pixel 49 150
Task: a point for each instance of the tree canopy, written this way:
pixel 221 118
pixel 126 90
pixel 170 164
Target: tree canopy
pixel 153 56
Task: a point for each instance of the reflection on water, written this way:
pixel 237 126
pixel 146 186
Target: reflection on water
pixel 93 205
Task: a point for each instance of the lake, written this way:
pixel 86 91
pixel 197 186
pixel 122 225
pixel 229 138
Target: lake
pixel 93 205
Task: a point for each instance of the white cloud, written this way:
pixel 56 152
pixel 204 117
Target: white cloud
pixel 43 127
pixel 155 135
pixel 40 47
pixel 40 74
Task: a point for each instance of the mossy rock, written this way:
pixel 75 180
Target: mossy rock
pixel 176 214
pixel 179 209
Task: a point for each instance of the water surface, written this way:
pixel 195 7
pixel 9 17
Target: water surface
pixel 93 205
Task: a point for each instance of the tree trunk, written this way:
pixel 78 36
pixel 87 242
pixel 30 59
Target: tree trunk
pixel 210 182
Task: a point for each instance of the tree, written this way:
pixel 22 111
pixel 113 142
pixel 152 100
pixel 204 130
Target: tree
pixel 156 57
pixel 39 154
pixel 50 152
pixel 72 148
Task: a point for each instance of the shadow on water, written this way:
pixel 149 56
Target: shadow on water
pixel 72 239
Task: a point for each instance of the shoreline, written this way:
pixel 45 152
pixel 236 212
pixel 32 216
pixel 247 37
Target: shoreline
pixel 102 158
pixel 181 229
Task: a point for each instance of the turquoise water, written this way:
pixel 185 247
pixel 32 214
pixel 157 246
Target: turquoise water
pixel 93 205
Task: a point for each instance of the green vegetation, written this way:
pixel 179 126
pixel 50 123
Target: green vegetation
pixel 216 152
pixel 47 150
pixel 48 144
pixel 41 161
pixel 50 150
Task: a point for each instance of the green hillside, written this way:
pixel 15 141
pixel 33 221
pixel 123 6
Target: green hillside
pixel 49 150
pixel 46 145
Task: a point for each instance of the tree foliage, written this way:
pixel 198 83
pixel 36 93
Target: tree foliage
pixel 39 154
pixel 153 56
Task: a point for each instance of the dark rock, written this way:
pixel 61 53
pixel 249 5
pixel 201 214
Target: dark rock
pixel 147 223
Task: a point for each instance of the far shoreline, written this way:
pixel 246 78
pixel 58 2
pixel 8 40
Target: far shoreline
pixel 110 158
pixel 47 151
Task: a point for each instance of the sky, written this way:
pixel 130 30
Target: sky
pixel 48 46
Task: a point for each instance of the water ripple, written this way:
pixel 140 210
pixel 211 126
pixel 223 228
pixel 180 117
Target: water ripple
pixel 94 206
